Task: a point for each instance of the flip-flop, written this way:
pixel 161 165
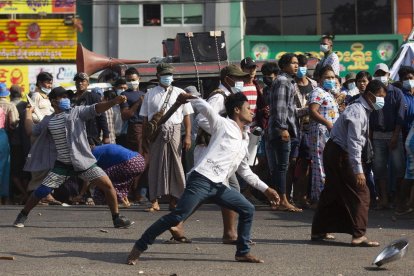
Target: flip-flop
pixel 179 240
pixel 365 243
pixel 323 237
pixel 290 210
pixel 248 258
pixel 404 212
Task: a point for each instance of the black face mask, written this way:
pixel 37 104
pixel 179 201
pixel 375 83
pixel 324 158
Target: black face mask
pixel 268 80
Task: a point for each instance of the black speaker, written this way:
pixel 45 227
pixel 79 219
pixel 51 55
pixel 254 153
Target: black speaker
pixel 203 44
pixel 168 47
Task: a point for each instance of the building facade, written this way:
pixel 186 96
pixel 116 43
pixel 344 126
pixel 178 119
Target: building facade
pixel 367 31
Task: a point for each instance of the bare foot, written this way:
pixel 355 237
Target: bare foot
pixel 133 256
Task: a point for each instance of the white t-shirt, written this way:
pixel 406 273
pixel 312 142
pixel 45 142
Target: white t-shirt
pixel 154 99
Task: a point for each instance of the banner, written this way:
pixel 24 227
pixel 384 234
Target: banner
pixel 37 40
pixel 25 75
pixel 356 52
pixel 37 6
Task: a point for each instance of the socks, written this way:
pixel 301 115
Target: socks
pixel 115 216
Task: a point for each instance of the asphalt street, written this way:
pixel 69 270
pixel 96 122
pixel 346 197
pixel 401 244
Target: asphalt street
pixel 80 240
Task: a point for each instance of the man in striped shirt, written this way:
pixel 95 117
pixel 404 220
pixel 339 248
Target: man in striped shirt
pixel 62 145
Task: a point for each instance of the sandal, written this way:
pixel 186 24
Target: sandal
pixel 364 242
pixel 248 258
pixel 179 240
pixel 323 237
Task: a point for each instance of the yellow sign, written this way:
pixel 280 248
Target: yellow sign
pixel 37 40
pixel 15 75
pixel 37 6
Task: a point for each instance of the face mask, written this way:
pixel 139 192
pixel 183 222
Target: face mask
pixel 383 79
pixel 45 90
pixel 301 72
pixel 166 80
pixel 324 48
pixel 329 84
pixel 268 80
pixel 408 84
pixel 379 102
pixel 351 85
pixel 119 91
pixel 133 84
pixel 238 87
pixel 64 104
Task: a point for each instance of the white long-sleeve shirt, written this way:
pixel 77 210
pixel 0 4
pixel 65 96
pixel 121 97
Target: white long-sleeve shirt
pixel 227 151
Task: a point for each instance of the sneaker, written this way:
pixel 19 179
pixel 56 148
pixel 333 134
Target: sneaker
pixel 122 222
pixel 19 222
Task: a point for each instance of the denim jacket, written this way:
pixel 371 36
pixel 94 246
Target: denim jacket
pixel 43 153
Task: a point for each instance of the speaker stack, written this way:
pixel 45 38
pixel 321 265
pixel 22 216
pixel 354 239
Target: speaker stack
pixel 207 46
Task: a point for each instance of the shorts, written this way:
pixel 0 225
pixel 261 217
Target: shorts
pixel 61 172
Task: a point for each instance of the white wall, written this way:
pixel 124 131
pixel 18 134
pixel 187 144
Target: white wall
pixel 146 42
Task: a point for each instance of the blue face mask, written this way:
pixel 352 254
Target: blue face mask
pixel 329 84
pixel 64 104
pixel 301 72
pixel 166 80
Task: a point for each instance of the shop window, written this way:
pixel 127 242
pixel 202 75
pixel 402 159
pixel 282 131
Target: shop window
pixel 129 14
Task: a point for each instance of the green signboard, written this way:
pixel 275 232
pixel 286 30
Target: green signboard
pixel 356 52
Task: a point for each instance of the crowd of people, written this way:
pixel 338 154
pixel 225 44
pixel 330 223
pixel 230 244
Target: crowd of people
pixel 338 146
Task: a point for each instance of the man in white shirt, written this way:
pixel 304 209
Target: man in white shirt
pixel 166 173
pixel 226 153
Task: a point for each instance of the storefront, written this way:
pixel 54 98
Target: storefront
pixel 355 52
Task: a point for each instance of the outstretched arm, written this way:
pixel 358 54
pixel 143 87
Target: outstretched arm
pixel 104 106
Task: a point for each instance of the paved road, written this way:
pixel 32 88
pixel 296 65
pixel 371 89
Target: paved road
pixel 69 241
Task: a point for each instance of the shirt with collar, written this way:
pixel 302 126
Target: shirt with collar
pixel 392 114
pixel 282 106
pixel 350 131
pixel 217 103
pixel 227 151
pixel 155 98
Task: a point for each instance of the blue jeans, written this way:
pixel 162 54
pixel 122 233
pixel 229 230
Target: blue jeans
pixel 278 159
pixel 199 188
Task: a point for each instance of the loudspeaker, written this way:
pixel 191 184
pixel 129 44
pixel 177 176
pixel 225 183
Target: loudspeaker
pixel 203 44
pixel 168 47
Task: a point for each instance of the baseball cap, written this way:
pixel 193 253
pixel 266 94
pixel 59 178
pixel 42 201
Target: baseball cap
pixel 165 69
pixel 248 63
pixel 98 90
pixel 57 92
pixel 4 92
pixel 81 76
pixel 232 70
pixel 192 90
pixel 383 67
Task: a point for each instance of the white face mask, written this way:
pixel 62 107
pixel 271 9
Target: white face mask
pixel 238 87
pixel 408 84
pixel 324 48
pixel 133 84
pixel 383 79
pixel 119 91
pixel 351 85
pixel 45 90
